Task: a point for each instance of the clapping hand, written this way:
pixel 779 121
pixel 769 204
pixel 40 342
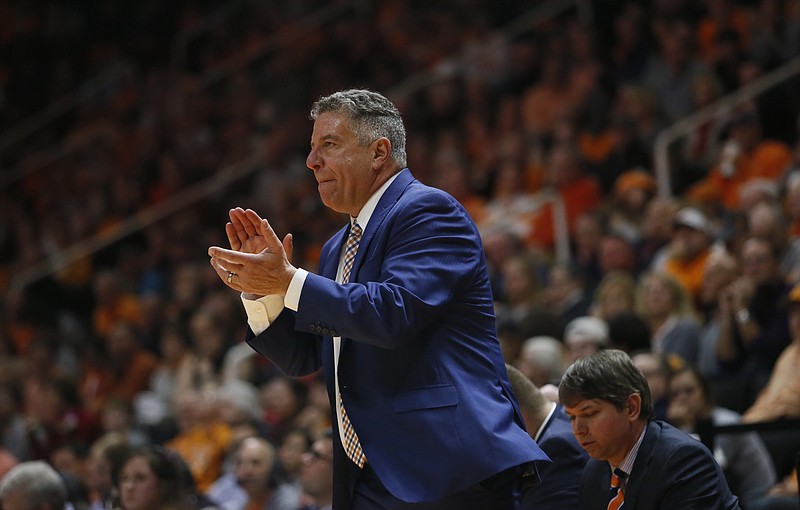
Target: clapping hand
pixel 258 263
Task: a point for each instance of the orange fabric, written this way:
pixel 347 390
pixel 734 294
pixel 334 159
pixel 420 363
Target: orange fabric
pixel 689 273
pixel 204 448
pixel 136 375
pixel 125 308
pixel 708 29
pixel 579 196
pixel 595 148
pixel 768 160
pixel 619 496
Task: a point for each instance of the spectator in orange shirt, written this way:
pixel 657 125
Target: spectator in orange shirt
pixel 744 156
pixel 578 191
pixel 689 249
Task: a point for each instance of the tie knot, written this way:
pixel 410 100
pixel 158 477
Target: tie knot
pixel 617 476
pixel 356 231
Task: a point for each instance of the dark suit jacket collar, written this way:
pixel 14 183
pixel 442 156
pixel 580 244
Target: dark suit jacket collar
pixel 652 435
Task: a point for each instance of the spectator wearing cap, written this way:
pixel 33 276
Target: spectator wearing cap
pixel 585 336
pixel 631 193
pixel 691 245
pixel 745 155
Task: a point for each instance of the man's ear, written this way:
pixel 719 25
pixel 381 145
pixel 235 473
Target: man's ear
pixel 633 406
pixel 382 149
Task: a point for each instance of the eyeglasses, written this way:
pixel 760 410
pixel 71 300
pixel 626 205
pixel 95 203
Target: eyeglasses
pixel 315 455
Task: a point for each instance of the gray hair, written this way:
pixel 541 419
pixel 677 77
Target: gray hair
pixel 37 482
pixel 608 375
pixel 371 116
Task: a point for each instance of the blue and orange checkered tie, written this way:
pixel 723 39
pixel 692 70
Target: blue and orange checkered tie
pixel 352 446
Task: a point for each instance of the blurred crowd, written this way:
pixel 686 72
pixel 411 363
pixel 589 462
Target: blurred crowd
pixel 139 342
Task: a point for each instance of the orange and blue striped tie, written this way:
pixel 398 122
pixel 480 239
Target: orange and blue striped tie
pixel 352 446
pixel 616 493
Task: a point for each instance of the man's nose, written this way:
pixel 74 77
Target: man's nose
pixel 312 161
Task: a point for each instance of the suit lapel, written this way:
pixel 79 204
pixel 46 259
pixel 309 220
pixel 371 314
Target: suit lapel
pixel 379 215
pixel 642 463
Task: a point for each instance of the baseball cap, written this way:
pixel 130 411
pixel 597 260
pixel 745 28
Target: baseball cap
pixel 692 218
pixel 586 329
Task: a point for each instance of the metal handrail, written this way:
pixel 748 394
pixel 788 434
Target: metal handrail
pixel 687 124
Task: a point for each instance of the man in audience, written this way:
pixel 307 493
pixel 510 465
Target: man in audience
pixel 549 426
pixel 316 475
pixel 33 485
pixel 635 460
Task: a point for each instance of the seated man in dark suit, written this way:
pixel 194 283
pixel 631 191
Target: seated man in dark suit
pixel 638 461
pixel 549 425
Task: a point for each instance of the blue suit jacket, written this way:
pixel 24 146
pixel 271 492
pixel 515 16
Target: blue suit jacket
pixel 561 479
pixel 672 471
pixel 421 372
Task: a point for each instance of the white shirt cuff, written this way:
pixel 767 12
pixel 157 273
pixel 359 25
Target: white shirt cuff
pixel 292 299
pixel 261 312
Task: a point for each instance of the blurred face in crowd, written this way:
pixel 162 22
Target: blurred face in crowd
pixel 657 297
pixel 253 465
pixel 291 451
pixel 650 366
pixel 346 171
pixel 758 262
pixel 139 487
pixel 616 254
pixel 688 243
pixel 316 475
pixel 685 391
pixel 719 273
pixel 613 299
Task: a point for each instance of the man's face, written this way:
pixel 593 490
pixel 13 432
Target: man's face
pixel 605 432
pixel 252 465
pixel 343 169
pixel 688 243
pixel 316 475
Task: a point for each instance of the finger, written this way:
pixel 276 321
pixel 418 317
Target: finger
pixel 240 228
pixel 230 260
pixel 223 273
pixel 253 221
pixel 288 246
pixel 246 220
pixel 273 243
pixel 233 237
